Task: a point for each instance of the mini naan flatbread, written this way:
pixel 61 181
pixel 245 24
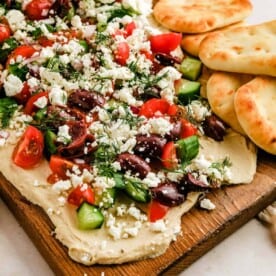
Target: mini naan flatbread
pixel 247 49
pixel 191 42
pixel 198 16
pixel 255 104
pixel 221 88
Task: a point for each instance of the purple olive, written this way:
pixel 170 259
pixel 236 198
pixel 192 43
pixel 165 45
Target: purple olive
pixel 167 60
pixel 149 146
pixel 134 163
pixel 213 127
pixel 168 194
pixel 85 100
pixel 189 184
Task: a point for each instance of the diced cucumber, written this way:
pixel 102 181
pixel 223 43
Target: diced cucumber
pixel 137 191
pixel 119 180
pixel 40 114
pixel 187 148
pixel 84 44
pixel 89 217
pixel 187 91
pixel 106 199
pixel 190 68
pixel 50 139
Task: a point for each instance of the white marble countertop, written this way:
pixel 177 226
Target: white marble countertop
pixel 249 251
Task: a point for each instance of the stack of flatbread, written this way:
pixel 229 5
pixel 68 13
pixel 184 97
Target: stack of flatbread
pixel 241 61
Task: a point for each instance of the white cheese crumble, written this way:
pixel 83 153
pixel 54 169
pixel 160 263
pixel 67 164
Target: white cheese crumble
pixel 158 226
pixel 63 135
pixel 12 85
pixel 41 102
pixel 207 204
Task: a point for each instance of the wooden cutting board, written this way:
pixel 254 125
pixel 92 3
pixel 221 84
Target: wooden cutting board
pixel 201 229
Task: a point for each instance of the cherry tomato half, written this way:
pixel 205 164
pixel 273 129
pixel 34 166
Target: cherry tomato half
pixel 157 211
pixel 38 9
pixel 165 43
pixel 129 28
pixel 80 194
pixel 30 106
pixel 59 166
pixel 29 149
pixel 122 53
pixel 5 32
pixel 25 51
pixel 154 107
pixel 169 156
pixel 187 129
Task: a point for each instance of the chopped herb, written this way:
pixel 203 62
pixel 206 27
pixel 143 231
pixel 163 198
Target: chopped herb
pixel 7 109
pixel 121 12
pixel 18 70
pixel 9 45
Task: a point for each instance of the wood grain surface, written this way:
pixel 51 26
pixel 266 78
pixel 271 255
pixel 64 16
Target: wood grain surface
pixel 201 229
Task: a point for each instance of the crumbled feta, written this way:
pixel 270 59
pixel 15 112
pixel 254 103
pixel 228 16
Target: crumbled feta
pixel 41 102
pixel 63 135
pixel 151 180
pixel 16 20
pixel 158 226
pixel 57 96
pixel 12 85
pixel 207 204
pixel 61 186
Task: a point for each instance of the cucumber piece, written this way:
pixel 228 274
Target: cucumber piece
pixel 137 191
pixel 190 68
pixel 50 139
pixel 40 114
pixel 119 180
pixel 89 217
pixel 106 199
pixel 84 44
pixel 187 91
pixel 187 148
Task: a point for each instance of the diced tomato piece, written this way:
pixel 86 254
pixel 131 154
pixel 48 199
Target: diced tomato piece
pixel 38 9
pixel 5 32
pixel 172 110
pixel 147 54
pixel 169 156
pixel 59 166
pixel 129 28
pixel 187 129
pixel 122 53
pixel 80 194
pixel 165 43
pixel 29 149
pixel 154 107
pixel 30 106
pixel 45 42
pixel 157 211
pixel 24 94
pixel 25 51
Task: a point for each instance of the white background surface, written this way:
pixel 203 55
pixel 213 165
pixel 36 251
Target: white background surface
pixel 249 251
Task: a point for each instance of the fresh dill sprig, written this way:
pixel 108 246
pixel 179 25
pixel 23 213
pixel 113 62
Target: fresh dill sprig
pixel 7 108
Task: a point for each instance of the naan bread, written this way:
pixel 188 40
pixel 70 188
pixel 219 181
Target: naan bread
pixel 191 42
pixel 221 88
pixel 198 16
pixel 247 49
pixel 255 104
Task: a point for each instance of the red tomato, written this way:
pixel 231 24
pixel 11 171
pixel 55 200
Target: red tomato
pixel 24 95
pixel 147 54
pixel 172 111
pixel 30 105
pixel 154 107
pixel 29 149
pixel 122 53
pixel 38 9
pixel 169 157
pixel 80 194
pixel 45 42
pixel 157 211
pixel 165 43
pixel 5 32
pixel 60 165
pixel 25 51
pixel 129 28
pixel 187 129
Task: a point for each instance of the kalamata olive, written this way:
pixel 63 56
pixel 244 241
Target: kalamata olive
pixel 149 146
pixel 175 132
pixel 134 163
pixel 213 127
pixel 191 184
pixel 167 60
pixel 168 194
pixel 85 100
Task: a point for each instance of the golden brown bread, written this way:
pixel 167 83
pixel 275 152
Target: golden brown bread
pixel 197 16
